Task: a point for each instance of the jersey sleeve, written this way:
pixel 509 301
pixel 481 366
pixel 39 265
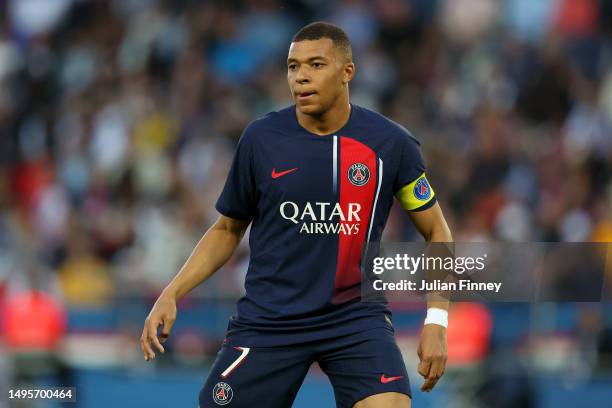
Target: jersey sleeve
pixel 238 198
pixel 411 187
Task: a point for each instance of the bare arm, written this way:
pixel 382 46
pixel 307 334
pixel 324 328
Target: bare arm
pixel 433 349
pixel 214 249
pixel 432 225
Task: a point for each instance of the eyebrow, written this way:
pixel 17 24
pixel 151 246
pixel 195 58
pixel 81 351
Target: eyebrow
pixel 318 57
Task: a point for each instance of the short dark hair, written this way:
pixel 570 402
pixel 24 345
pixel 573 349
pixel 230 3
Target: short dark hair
pixel 321 29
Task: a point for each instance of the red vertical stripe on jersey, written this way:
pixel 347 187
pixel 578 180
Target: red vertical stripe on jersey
pixel 348 273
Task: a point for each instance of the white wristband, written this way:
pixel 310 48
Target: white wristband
pixel 438 316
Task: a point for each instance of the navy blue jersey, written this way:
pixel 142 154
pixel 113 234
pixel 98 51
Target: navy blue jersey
pixel 315 202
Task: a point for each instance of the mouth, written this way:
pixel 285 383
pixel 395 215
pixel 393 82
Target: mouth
pixel 303 96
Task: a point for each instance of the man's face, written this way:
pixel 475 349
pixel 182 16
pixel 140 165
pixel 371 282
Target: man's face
pixel 317 73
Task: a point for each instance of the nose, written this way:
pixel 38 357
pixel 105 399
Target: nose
pixel 301 77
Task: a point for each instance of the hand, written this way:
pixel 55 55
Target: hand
pixel 432 353
pixel 163 312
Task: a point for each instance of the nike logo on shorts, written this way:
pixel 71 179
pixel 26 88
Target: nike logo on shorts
pixel 385 380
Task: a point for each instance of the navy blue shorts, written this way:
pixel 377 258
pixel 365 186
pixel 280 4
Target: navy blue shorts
pixel 358 365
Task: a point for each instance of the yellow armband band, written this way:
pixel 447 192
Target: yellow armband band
pixel 416 194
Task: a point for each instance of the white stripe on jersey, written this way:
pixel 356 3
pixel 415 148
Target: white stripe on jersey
pixel 380 174
pixel 335 163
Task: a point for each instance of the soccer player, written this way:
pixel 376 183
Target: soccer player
pixel 316 182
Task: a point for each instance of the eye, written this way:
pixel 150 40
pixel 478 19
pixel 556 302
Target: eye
pixel 291 67
pixel 318 65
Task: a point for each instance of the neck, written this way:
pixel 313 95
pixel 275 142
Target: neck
pixel 329 121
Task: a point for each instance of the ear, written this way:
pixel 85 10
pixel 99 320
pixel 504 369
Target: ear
pixel 348 72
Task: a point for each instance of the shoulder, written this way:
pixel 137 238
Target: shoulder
pixel 391 129
pixel 261 130
pixel 269 122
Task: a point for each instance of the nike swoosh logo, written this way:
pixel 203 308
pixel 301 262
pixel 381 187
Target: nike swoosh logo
pixel 276 175
pixel 385 380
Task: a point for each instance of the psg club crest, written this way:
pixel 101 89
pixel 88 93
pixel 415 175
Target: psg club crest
pixel 422 191
pixel 222 393
pixel 358 174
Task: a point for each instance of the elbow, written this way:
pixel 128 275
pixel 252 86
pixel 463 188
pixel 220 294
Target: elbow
pixel 235 228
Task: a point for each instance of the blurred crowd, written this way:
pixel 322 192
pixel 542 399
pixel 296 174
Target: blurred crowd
pixel 118 121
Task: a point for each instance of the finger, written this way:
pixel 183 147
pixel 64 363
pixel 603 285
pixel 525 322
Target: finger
pixel 437 368
pixel 145 353
pixel 435 372
pixel 145 345
pixel 168 323
pixel 424 367
pixel 428 384
pixel 153 336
